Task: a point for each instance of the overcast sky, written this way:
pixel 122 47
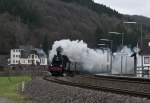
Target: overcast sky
pixel 132 7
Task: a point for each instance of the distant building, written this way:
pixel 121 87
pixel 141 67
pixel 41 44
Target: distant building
pixel 27 57
pixel 144 58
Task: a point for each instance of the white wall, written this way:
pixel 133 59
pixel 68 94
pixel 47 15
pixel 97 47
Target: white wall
pixel 15 56
pixel 139 64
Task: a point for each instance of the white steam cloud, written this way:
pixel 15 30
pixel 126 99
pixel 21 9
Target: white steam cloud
pixel 94 61
pixel 123 58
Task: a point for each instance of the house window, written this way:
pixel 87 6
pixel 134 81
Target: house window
pixel 13 55
pixel 146 60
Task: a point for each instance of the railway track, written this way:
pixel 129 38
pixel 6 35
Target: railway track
pixel 118 85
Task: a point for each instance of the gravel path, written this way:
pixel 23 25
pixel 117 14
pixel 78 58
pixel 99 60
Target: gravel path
pixel 5 100
pixel 46 92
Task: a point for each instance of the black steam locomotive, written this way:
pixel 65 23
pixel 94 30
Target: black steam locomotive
pixel 59 64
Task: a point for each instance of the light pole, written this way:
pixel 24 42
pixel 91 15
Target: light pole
pixel 107 54
pixel 107 40
pixel 127 22
pixel 122 37
pixel 111 45
pixel 101 44
pixel 135 61
pixel 141 44
pixel 122 43
pixel 141 29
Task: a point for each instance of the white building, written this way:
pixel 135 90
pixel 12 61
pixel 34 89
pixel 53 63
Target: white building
pixel 27 57
pixel 144 59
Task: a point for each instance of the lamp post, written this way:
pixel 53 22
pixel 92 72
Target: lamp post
pixel 141 43
pixel 111 45
pixel 133 55
pixel 122 43
pixel 127 22
pixel 101 44
pixel 107 40
pixel 141 29
pixel 122 37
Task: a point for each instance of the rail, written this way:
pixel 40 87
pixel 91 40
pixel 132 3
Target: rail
pixel 92 82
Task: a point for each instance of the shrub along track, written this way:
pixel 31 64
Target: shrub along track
pixel 138 87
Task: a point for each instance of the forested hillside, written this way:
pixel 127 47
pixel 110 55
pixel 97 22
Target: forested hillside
pixel 41 22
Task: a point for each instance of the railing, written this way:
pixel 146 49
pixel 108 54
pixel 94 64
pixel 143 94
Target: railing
pixel 145 72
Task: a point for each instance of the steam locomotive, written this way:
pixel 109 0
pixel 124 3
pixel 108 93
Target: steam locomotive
pixel 55 70
pixel 69 70
pixel 60 64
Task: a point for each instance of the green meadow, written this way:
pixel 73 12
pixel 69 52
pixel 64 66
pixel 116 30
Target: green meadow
pixel 9 87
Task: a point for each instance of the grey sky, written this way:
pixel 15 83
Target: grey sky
pixel 132 7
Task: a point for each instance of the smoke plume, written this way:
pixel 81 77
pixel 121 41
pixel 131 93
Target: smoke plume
pixel 94 61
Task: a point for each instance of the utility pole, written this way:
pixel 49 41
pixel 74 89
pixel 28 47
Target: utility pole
pixel 141 29
pixel 122 55
pixel 134 54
